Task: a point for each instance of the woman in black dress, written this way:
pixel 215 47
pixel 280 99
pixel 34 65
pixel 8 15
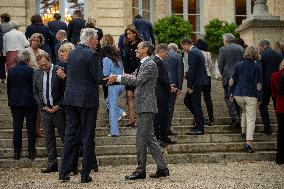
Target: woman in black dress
pixel 131 63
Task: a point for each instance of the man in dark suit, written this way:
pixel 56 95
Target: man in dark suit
pixel 197 79
pixel 54 26
pixel 61 37
pixel 75 26
pixel 48 91
pixel 270 61
pixel 175 68
pixel 145 79
pixel 163 91
pixel 229 55
pixel 22 103
pixel 81 100
pixel 145 28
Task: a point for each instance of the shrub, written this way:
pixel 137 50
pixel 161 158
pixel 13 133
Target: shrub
pixel 172 29
pixel 214 32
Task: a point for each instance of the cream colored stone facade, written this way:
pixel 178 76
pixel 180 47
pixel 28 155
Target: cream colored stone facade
pixel 114 15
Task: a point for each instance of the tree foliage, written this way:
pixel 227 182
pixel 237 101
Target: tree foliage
pixel 172 29
pixel 214 32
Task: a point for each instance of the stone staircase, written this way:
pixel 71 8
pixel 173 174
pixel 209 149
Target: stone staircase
pixel 219 144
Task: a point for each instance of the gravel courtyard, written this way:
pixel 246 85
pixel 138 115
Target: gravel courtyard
pixel 222 175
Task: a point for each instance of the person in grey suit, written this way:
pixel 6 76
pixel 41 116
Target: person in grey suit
pixel 48 91
pixel 229 55
pixel 144 78
pixel 175 69
pixel 81 100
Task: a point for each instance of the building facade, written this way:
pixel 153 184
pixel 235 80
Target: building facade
pixel 114 15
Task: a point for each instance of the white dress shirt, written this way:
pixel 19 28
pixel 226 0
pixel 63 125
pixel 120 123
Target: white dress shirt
pixel 44 86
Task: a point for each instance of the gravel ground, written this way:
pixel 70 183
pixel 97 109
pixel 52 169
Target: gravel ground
pixel 222 175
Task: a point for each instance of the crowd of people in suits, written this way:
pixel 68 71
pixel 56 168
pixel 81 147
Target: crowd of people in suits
pixel 54 73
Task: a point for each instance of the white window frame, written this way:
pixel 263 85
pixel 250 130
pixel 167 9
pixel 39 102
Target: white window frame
pixel 140 9
pixel 248 10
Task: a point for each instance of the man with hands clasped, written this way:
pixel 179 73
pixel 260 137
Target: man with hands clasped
pixel 145 79
pixel 48 91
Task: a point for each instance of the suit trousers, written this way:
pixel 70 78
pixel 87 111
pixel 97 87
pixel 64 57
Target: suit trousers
pixel 234 109
pixel 49 122
pixel 161 119
pixel 171 108
pixel 196 107
pixel 2 67
pixel 280 139
pixel 145 138
pixel 248 106
pixel 264 110
pixel 18 114
pixel 207 99
pixel 80 125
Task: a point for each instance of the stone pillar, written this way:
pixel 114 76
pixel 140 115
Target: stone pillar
pixel 261 25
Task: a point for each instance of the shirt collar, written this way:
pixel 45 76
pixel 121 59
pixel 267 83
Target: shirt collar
pixel 51 68
pixel 159 57
pixel 144 59
pixel 191 48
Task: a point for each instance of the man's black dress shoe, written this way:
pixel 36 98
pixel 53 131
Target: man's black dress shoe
pixel 160 173
pixel 86 180
pixel 32 155
pixel 64 178
pixel 17 156
pixel 136 175
pixel 248 148
pixel 50 170
pixel 169 141
pixel 195 132
pixel 236 124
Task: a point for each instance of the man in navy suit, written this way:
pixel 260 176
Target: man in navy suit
pixel 75 26
pixel 196 80
pixel 22 103
pixel 81 100
pixel 163 91
pixel 145 28
pixel 270 61
pixel 61 37
pixel 175 69
pixel 54 27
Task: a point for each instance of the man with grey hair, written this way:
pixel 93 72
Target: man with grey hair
pixel 144 78
pixel 81 100
pixel 22 103
pixel 175 67
pixel 229 55
pixel 61 37
pixel 270 61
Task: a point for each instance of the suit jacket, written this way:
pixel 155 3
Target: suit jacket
pixel 228 57
pixel 57 88
pixel 145 28
pixel 83 76
pixel 1 40
pixel 44 30
pixel 144 96
pixel 270 61
pixel 20 86
pixel 57 25
pixel 163 85
pixel 74 29
pixel 197 74
pixel 175 68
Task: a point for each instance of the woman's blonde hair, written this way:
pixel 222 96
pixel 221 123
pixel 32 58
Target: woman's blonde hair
pixel 107 40
pixel 91 22
pixel 251 52
pixel 66 47
pixel 39 36
pixel 278 47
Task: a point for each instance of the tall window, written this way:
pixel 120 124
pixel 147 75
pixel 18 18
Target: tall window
pixel 189 10
pixel 142 7
pixel 243 8
pixel 48 7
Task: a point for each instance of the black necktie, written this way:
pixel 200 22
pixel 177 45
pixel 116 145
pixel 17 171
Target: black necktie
pixel 47 90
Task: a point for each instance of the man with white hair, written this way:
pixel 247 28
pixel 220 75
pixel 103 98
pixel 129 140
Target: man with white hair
pixel 229 55
pixel 61 37
pixel 81 100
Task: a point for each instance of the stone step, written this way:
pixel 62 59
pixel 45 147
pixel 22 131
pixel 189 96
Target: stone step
pixel 6 121
pixel 171 149
pixel 126 131
pixel 128 140
pixel 116 160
